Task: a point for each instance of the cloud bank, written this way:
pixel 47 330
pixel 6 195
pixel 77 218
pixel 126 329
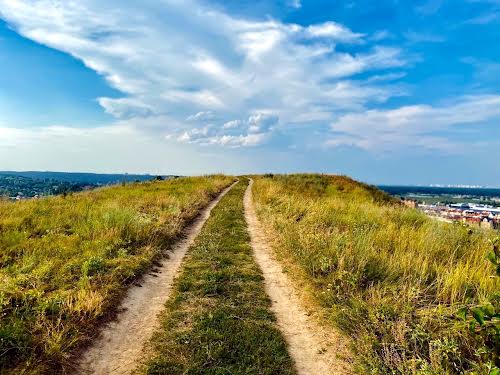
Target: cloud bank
pixel 184 60
pixel 196 76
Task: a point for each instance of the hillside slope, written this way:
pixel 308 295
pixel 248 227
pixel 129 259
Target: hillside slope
pixel 389 277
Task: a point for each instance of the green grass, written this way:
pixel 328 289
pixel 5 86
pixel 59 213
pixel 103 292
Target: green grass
pixel 388 276
pixel 218 320
pixel 65 261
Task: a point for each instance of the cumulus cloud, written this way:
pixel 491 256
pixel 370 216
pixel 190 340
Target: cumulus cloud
pixel 189 61
pixel 193 136
pixel 242 140
pixel 261 122
pixel 254 131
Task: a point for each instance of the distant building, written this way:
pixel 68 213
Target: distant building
pixel 476 221
pixel 479 215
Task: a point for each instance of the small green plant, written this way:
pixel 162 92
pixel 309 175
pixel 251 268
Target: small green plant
pixel 93 266
pixel 494 255
pixel 484 321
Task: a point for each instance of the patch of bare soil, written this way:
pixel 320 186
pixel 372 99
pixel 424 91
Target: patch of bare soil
pixel 119 347
pixel 316 350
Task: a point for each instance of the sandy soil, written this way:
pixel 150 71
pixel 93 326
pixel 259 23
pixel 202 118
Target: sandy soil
pixel 119 346
pixel 313 348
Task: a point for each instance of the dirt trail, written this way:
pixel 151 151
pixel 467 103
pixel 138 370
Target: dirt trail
pixel 119 347
pixel 313 348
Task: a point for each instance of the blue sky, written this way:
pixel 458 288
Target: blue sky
pixel 387 92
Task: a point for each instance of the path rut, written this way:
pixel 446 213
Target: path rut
pixel 313 348
pixel 119 346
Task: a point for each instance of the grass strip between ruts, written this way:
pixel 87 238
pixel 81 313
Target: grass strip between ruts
pixel 218 320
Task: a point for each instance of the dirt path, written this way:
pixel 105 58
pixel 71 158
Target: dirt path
pixel 119 347
pixel 312 347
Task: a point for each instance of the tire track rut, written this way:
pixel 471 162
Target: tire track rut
pixel 313 348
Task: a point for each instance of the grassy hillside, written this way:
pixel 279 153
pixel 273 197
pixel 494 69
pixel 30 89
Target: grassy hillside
pixel 64 261
pixel 388 276
pixel 218 320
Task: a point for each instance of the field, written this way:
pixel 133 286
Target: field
pixel 218 320
pixel 65 261
pixel 395 282
pixel 411 295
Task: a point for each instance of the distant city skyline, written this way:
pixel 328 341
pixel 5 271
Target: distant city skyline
pixel 386 92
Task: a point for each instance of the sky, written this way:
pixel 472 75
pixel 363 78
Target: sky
pixel 387 91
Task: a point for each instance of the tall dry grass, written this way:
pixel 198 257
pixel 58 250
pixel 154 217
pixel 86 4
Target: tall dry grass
pixel 64 261
pixel 388 276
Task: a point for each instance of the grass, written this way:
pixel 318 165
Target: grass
pixel 65 261
pixel 388 276
pixel 218 320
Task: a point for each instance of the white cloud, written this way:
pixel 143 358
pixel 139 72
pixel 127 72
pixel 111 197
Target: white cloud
pixel 182 58
pixel 261 122
pixel 346 65
pixel 247 140
pixel 126 107
pixel 200 98
pixel 194 135
pixel 332 30
pixel 236 133
pixel 414 125
pixel 231 124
